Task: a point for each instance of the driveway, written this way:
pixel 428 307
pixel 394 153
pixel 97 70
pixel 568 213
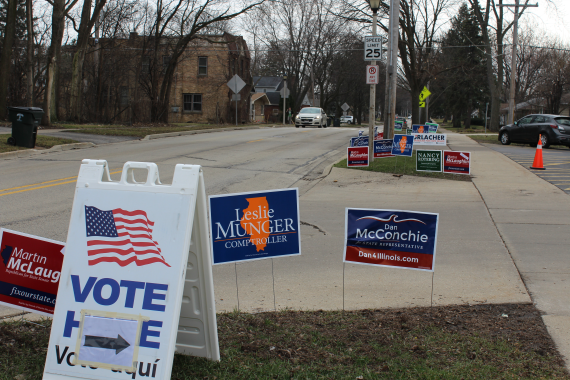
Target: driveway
pixel 556 162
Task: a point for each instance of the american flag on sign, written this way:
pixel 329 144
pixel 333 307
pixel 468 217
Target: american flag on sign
pixel 120 236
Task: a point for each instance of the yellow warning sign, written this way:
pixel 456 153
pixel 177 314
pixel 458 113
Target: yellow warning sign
pixel 424 94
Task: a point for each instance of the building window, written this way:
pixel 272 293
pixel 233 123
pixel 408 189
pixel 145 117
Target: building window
pixel 123 96
pixel 202 65
pixel 165 62
pixel 146 65
pixel 193 102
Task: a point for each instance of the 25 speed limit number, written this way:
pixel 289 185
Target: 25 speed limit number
pixel 372 48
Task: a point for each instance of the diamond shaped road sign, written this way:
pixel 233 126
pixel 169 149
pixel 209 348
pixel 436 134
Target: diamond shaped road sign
pixel 236 84
pixel 345 107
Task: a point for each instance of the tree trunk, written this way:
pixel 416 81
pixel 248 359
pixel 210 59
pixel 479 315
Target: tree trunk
pixel 6 57
pixel 30 54
pixel 85 27
pixel 76 82
pixel 53 58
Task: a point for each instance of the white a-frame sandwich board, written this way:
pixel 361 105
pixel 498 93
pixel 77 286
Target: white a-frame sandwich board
pixel 136 281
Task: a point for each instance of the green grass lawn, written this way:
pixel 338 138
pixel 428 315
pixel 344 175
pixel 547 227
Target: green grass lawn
pixel 404 165
pixel 144 129
pixel 41 142
pixel 447 342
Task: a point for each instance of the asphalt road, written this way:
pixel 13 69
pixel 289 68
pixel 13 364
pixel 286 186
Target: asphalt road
pixel 556 162
pixel 36 193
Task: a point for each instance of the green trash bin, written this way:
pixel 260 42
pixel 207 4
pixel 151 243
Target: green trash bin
pixel 25 122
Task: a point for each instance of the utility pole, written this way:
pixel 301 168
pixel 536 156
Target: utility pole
pixel 511 118
pixel 392 70
pixel 372 109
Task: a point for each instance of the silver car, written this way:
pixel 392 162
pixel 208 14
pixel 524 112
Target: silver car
pixel 311 116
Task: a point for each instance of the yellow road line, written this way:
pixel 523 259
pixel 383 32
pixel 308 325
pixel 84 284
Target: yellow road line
pixel 254 141
pixel 43 187
pixel 36 188
pixel 36 184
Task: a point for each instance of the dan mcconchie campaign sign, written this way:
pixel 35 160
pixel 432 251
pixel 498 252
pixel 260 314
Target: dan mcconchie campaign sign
pixel 255 225
pixel 391 238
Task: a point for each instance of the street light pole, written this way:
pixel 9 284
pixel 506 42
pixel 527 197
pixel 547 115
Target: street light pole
pixel 372 111
pixel 514 64
pixel 284 96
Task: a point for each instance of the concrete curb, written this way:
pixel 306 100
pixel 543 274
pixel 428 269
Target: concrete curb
pixel 55 148
pixel 328 169
pixel 184 133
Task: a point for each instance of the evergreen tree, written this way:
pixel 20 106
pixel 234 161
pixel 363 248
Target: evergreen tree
pixel 465 82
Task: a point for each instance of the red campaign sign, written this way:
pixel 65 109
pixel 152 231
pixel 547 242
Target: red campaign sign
pixel 357 156
pixel 379 136
pixel 30 268
pixel 456 162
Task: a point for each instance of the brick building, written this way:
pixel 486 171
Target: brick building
pixel 119 78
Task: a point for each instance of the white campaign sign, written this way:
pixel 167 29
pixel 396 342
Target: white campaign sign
pixel 439 139
pixel 136 280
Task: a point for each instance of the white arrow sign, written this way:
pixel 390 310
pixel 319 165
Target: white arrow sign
pixel 236 84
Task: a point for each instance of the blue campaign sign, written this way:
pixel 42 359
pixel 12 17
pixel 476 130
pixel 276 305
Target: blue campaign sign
pixel 403 145
pixel 255 225
pixel 419 128
pixel 391 238
pixel 383 148
pixel 359 141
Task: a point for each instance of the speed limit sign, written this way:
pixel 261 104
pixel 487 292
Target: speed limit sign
pixel 372 48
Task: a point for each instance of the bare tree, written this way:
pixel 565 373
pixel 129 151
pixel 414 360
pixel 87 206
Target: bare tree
pixel 174 25
pixel 60 10
pixel 420 25
pixel 299 37
pixel 88 19
pixel 5 57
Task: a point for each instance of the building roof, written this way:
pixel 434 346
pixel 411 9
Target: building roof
pixel 274 97
pixel 270 82
pixel 259 95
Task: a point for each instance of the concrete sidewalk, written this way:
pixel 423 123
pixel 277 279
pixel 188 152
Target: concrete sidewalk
pixel 533 219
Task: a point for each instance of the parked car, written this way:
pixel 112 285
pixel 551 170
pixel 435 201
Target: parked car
pixel 347 119
pixel 553 129
pixel 311 116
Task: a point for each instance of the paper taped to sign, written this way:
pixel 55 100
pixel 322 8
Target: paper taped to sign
pixel 108 340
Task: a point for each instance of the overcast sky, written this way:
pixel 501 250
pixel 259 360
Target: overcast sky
pixel 554 19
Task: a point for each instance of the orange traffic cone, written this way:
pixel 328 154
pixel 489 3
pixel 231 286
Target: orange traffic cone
pixel 537 164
